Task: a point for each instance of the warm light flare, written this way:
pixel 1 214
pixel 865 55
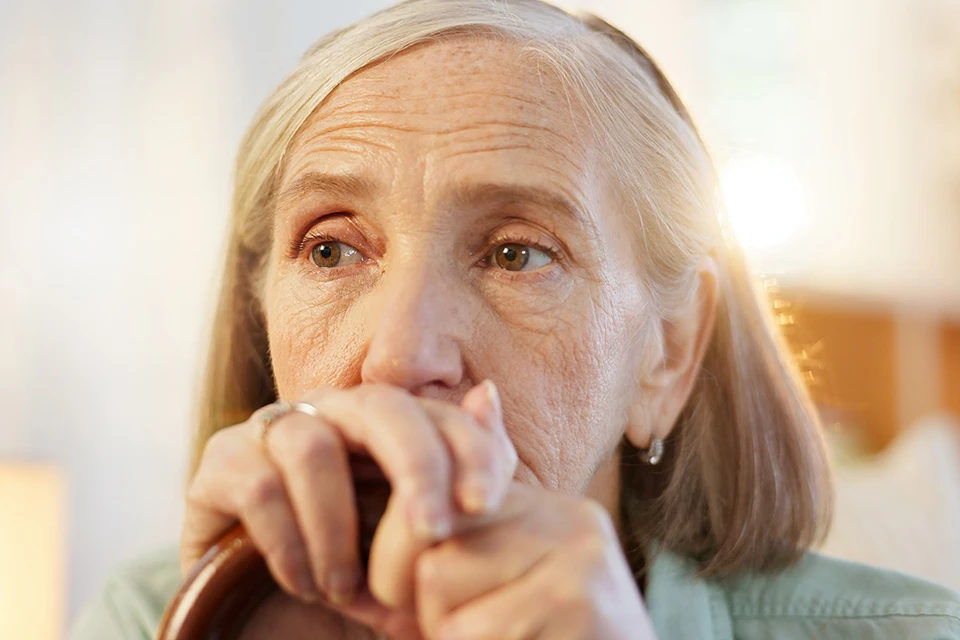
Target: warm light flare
pixel 764 200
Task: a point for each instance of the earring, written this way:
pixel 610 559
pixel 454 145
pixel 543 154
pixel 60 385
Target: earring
pixel 654 454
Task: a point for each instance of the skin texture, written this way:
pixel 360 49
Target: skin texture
pixel 421 315
pixel 502 518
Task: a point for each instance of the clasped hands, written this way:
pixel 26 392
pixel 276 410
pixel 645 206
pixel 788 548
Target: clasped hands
pixel 462 550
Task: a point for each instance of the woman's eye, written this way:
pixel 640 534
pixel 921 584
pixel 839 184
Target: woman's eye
pixel 327 255
pixel 513 256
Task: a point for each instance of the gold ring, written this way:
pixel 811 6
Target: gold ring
pixel 267 416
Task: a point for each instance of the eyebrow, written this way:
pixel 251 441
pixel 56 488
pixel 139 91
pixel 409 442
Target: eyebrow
pixel 487 194
pixel 464 195
pixel 336 185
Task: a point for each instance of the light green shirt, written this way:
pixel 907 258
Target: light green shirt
pixel 818 598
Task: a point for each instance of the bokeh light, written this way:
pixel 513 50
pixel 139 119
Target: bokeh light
pixel 764 200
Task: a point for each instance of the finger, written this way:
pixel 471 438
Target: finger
pixel 556 598
pixel 392 559
pixel 516 611
pixel 314 463
pixel 236 481
pixel 479 477
pixel 387 622
pixel 484 404
pixel 395 550
pixel 393 429
pixel 470 566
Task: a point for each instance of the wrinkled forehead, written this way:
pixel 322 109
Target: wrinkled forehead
pixel 478 93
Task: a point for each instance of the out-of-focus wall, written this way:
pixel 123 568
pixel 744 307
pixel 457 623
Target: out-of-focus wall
pixel 118 125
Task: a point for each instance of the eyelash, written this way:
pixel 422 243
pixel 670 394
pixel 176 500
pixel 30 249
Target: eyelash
pixel 308 241
pixel 297 248
pixel 311 239
pixel 521 239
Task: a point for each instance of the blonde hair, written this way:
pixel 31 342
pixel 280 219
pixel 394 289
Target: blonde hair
pixel 744 483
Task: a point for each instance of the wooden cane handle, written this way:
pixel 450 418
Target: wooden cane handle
pixel 221 593
pixel 232 580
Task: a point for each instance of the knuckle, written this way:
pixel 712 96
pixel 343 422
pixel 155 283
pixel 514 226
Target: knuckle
pixel 567 596
pixel 593 550
pixel 594 517
pixel 219 446
pixel 425 464
pixel 262 489
pixel 389 398
pixel 594 533
pixel 194 498
pixel 314 448
pixel 429 571
pixel 216 441
pixel 196 492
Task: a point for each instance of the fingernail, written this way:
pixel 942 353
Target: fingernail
pixel 493 395
pixel 306 589
pixel 475 493
pixel 430 519
pixel 342 585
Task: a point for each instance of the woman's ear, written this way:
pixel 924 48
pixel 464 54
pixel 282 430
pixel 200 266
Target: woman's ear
pixel 667 386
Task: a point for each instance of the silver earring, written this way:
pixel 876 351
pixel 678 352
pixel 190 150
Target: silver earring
pixel 654 454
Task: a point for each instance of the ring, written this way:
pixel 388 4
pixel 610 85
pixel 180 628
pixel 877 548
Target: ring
pixel 268 415
pixel 306 408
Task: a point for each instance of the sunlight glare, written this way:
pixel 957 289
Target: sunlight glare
pixel 764 200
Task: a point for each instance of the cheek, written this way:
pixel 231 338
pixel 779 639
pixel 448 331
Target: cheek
pixel 567 391
pixel 311 344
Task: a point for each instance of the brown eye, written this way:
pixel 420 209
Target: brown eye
pixel 512 256
pixel 327 255
pixel 517 256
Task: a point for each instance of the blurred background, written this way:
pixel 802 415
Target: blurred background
pixel 835 123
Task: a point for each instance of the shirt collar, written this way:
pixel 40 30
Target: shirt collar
pixel 682 605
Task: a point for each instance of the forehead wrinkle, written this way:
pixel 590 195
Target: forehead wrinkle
pixel 363 89
pixel 509 129
pixel 337 185
pixel 329 144
pixel 323 127
pixel 575 166
pixel 560 177
pixel 472 194
pixel 386 104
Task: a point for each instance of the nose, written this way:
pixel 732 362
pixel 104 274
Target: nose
pixel 414 342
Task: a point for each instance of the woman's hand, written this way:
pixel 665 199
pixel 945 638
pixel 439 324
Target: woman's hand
pixel 544 566
pixel 541 566
pixel 535 564
pixel 293 489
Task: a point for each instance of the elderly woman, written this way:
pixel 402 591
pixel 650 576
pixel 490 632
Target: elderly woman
pixel 479 242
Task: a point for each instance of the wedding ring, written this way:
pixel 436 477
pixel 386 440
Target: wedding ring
pixel 267 416
pixel 305 408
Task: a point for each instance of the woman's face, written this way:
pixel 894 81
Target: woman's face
pixel 443 218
